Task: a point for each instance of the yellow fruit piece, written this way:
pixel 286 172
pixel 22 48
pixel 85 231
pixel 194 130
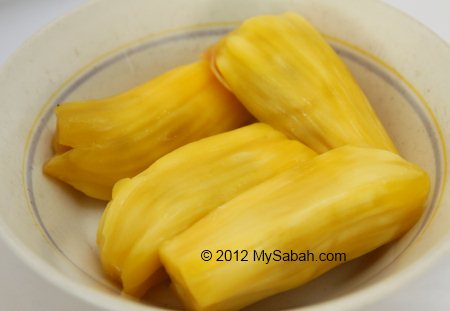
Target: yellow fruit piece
pixel 121 136
pixel 286 75
pixel 181 188
pixel 350 200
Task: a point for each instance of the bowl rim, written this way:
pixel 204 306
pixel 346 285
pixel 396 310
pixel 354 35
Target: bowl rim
pixel 352 301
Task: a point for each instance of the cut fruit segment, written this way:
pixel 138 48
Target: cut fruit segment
pixel 181 188
pixel 349 200
pixel 286 75
pixel 121 136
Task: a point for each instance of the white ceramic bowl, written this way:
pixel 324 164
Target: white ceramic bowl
pixel 108 46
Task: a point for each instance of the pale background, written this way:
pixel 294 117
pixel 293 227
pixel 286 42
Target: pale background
pixel 21 289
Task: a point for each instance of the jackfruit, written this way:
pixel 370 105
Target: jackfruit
pixel 179 189
pixel 121 136
pixel 350 200
pixel 286 75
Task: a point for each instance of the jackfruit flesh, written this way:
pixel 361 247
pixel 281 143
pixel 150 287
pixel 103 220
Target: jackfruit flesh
pixel 286 75
pixel 179 189
pixel 350 200
pixel 121 136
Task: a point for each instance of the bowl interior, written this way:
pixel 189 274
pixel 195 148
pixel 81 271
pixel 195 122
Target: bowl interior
pixel 69 220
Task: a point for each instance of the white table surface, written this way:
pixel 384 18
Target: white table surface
pixel 21 289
